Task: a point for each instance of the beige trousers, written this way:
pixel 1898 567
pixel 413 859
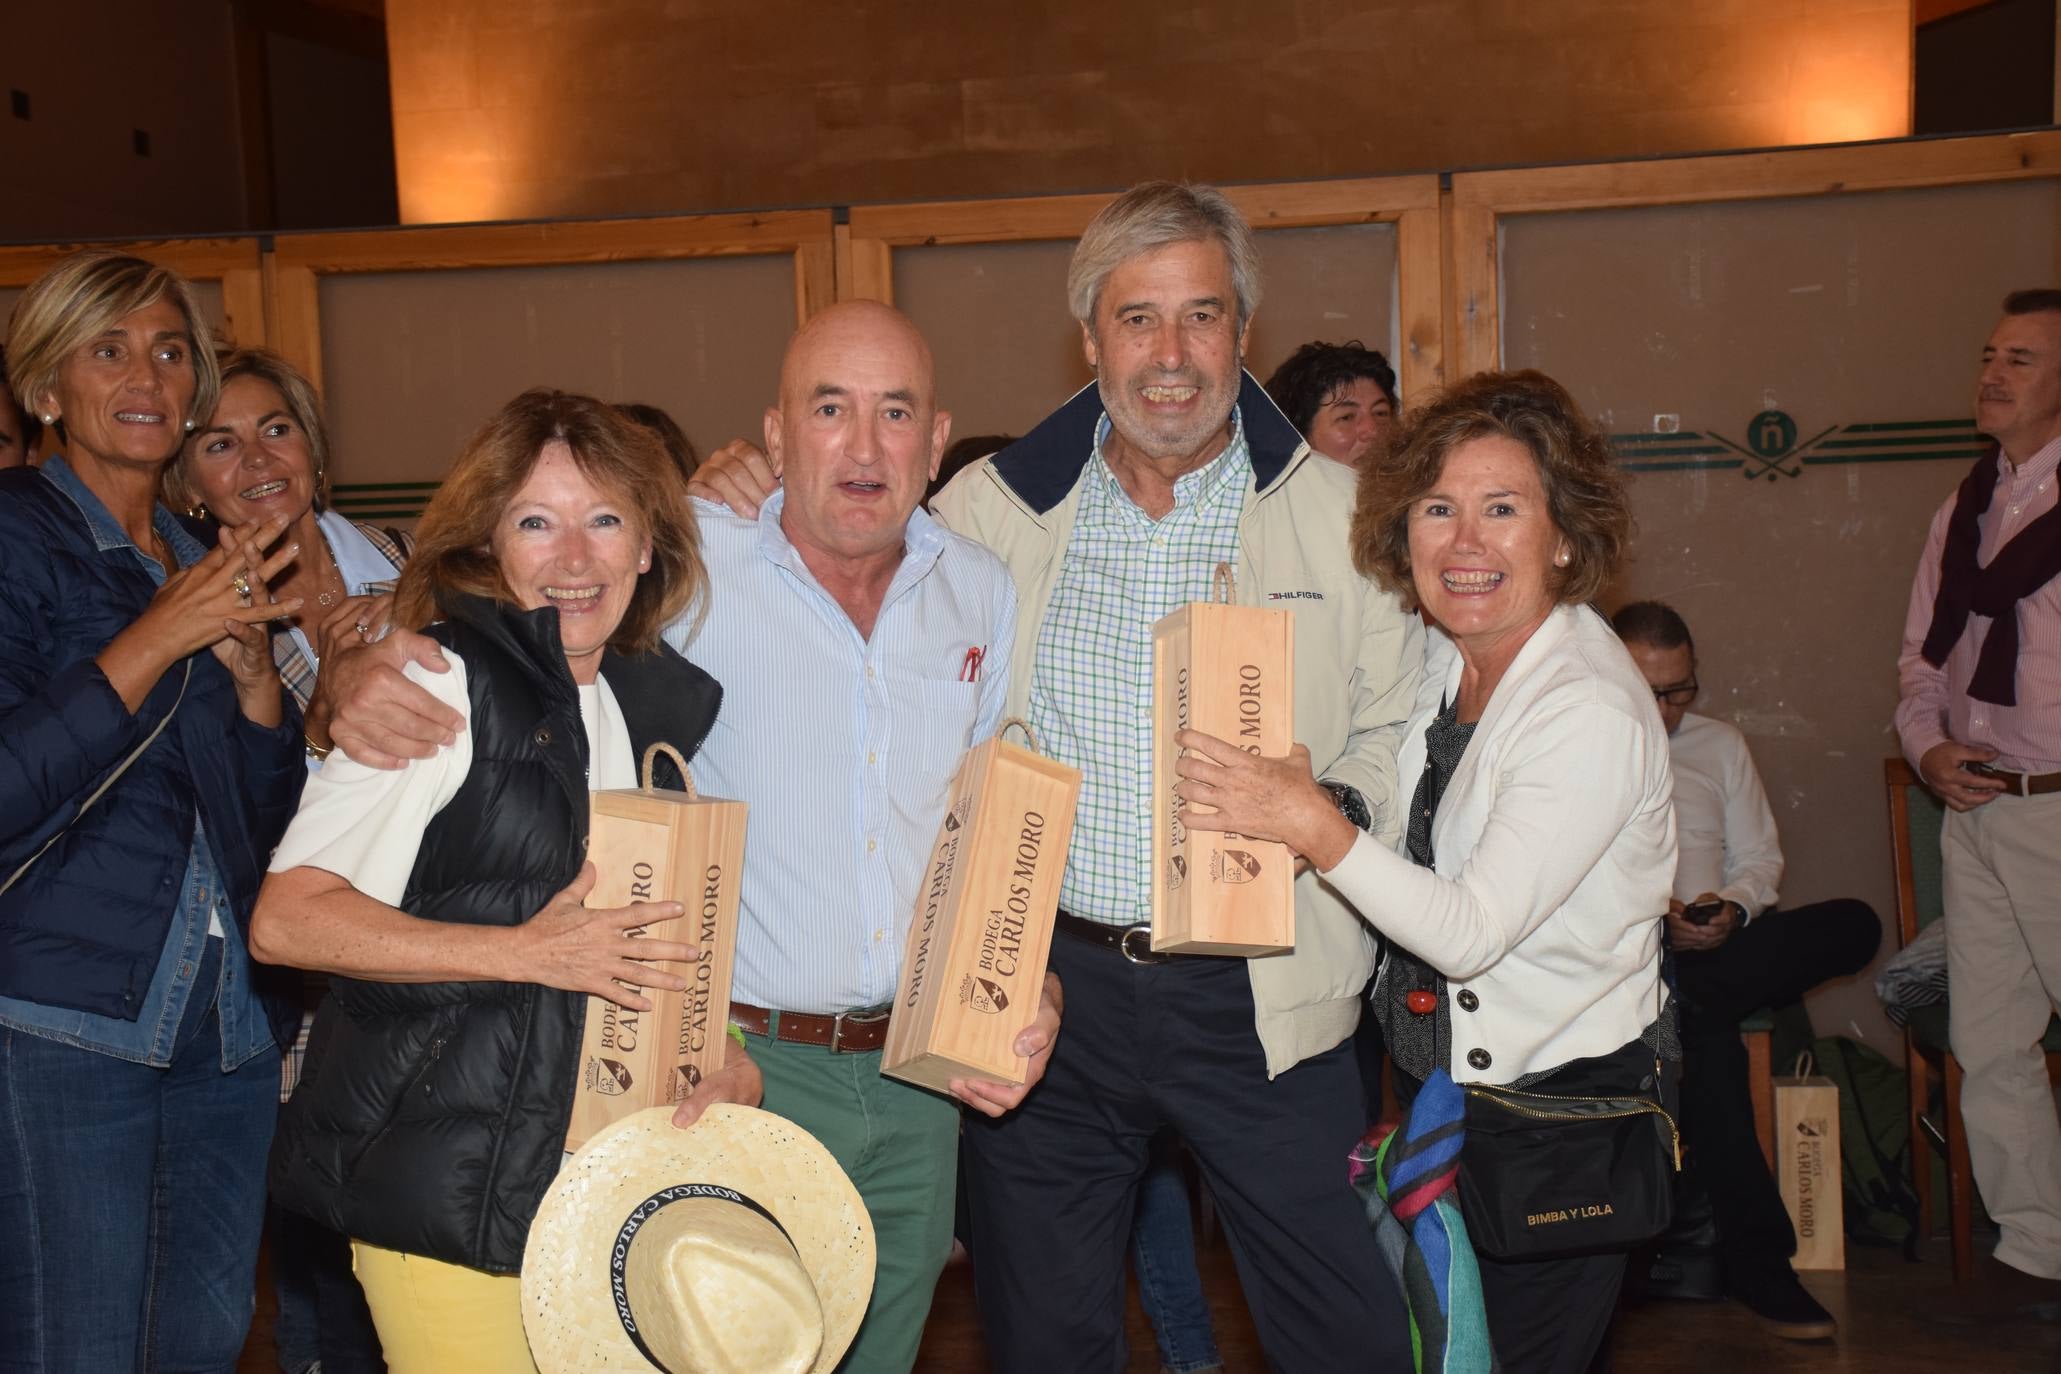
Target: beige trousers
pixel 2002 864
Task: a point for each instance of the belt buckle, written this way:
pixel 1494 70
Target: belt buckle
pixel 855 1018
pixel 1142 954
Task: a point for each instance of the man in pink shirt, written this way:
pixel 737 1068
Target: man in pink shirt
pixel 1980 718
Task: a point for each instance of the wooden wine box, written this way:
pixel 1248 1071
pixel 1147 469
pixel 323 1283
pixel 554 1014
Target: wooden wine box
pixel 1227 671
pixel 1808 1168
pixel 974 964
pixel 652 845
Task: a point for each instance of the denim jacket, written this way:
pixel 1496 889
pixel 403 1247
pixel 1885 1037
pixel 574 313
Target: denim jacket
pixel 101 938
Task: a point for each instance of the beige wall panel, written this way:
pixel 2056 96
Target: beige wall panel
pixel 1008 351
pixel 1837 311
pixel 414 361
pixel 1334 284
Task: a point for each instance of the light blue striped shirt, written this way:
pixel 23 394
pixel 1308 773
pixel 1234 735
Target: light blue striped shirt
pixel 843 747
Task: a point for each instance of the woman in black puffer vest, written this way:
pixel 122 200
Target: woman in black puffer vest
pixel 433 1106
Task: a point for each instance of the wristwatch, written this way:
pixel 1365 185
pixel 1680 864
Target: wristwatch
pixel 1351 804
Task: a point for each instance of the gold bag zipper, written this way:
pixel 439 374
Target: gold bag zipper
pixel 1556 1108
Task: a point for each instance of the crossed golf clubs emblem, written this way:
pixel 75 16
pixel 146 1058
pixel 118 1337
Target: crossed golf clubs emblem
pixel 1771 446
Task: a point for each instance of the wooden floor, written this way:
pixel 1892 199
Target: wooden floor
pixel 1877 1301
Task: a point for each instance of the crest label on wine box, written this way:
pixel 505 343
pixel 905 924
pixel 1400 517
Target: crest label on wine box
pixel 1228 671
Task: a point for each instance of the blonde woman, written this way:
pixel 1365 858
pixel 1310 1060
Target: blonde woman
pixel 149 760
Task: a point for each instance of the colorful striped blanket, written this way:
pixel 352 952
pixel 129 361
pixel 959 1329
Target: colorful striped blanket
pixel 1405 1178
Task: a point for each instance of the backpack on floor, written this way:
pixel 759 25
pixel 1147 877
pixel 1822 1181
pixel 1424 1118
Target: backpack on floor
pixel 1874 1144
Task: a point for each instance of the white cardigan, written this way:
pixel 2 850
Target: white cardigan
pixel 1555 849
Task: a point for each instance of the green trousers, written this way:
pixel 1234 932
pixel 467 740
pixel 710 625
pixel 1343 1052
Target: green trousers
pixel 900 1146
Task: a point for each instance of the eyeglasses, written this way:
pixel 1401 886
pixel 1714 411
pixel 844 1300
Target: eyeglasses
pixel 1677 696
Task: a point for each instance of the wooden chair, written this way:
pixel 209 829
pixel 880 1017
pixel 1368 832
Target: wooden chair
pixel 1916 817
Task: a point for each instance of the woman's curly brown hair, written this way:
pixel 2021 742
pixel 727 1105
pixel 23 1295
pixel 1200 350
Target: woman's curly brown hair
pixel 454 544
pixel 1585 488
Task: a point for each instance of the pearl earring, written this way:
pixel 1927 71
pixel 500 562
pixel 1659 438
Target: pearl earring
pixel 49 419
pixel 189 426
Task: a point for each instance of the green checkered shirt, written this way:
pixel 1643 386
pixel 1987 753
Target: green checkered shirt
pixel 1091 679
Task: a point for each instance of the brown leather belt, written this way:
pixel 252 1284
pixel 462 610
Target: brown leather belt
pixel 2023 784
pixel 1134 942
pixel 848 1032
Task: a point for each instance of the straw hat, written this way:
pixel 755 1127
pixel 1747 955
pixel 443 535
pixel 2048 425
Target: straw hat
pixel 737 1246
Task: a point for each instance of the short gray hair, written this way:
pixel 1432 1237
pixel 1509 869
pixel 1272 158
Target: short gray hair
pixel 1152 215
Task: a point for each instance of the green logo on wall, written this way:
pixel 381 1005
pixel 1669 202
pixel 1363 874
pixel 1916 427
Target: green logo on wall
pixel 1769 447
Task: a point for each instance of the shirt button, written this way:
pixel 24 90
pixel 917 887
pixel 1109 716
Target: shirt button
pixel 871 844
pixel 878 936
pixel 869 670
pixel 1478 1059
pixel 1467 1000
pixel 871 758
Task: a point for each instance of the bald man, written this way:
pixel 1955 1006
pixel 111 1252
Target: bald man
pixel 862 649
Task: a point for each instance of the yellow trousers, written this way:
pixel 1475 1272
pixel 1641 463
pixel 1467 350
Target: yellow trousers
pixel 437 1318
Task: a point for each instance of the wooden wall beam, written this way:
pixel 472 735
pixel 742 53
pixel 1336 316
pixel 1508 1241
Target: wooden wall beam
pixel 551 244
pixel 243 305
pixel 865 268
pixel 815 279
pixel 1759 176
pixel 1283 205
pixel 205 259
pixel 1472 332
pixel 1420 314
pixel 295 317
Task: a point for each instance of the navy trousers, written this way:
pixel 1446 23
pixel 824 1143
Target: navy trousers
pixel 1053 1185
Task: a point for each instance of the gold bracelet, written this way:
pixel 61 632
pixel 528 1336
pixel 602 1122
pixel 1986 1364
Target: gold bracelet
pixel 317 752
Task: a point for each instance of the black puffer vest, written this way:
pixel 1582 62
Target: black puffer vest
pixel 431 1117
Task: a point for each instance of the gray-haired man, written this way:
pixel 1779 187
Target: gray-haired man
pixel 1111 513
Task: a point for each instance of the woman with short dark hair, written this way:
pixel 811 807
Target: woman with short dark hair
pixel 1539 844
pixel 149 760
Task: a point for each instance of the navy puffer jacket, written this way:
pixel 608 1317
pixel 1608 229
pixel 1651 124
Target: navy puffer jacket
pixel 431 1117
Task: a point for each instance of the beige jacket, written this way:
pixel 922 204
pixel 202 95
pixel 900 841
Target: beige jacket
pixel 1358 656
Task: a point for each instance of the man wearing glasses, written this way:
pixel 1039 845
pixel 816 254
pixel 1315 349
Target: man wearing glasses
pixel 1734 953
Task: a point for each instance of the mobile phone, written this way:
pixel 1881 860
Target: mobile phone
pixel 1982 770
pixel 1703 913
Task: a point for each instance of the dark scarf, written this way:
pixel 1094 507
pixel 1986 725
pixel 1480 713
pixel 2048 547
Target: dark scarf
pixel 2030 561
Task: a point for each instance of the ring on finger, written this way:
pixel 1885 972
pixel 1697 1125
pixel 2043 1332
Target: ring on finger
pixel 242 584
pixel 365 632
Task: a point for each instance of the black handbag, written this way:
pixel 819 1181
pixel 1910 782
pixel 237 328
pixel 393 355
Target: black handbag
pixel 1581 1161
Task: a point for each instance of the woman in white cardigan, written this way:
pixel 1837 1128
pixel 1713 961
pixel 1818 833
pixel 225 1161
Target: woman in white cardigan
pixel 1521 902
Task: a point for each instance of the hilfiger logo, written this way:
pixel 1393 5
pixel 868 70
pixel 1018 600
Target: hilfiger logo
pixel 1586 1212
pixel 1295 596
